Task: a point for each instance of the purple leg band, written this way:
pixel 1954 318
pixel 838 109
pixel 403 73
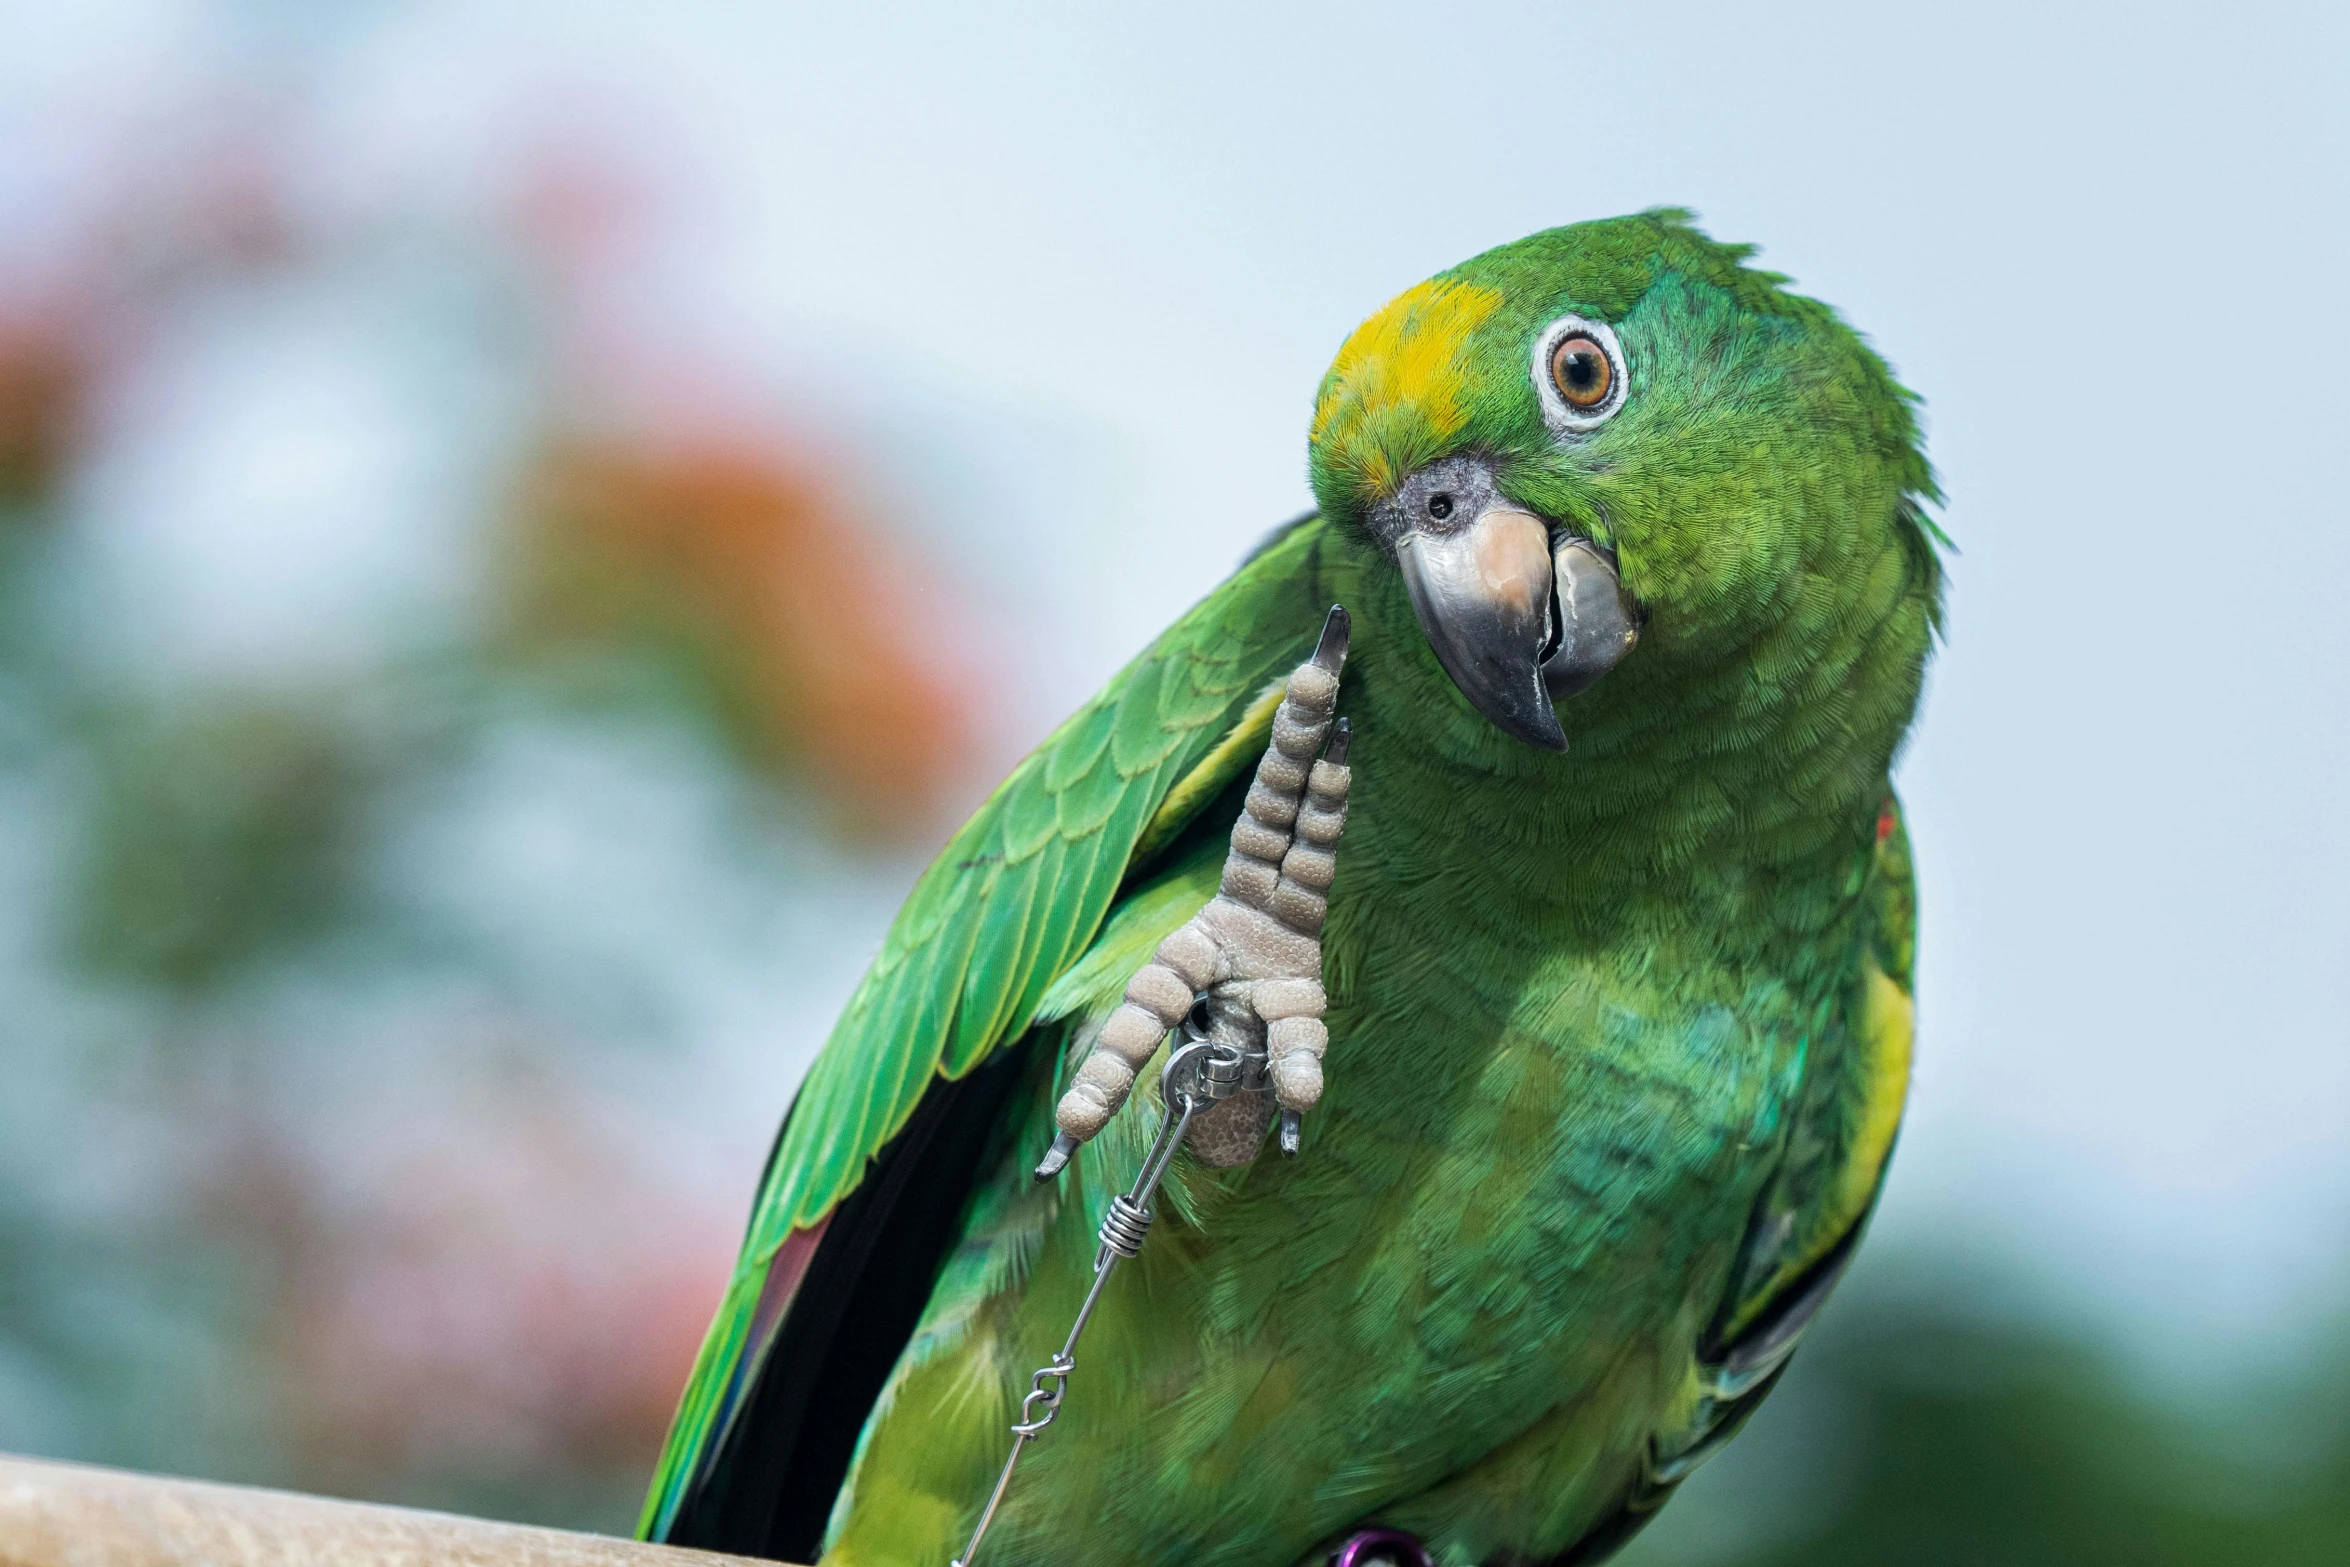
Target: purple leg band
pixel 1376 1547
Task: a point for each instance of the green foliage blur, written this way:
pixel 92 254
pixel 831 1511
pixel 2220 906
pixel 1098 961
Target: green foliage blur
pixel 1941 1417
pixel 411 935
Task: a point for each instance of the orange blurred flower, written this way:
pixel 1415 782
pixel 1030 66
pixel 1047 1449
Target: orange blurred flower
pixel 47 361
pixel 820 642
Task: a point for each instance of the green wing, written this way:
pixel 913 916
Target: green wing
pixel 1010 903
pixel 1841 1135
pixel 1839 1141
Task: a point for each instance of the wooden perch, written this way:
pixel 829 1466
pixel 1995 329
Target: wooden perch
pixel 74 1515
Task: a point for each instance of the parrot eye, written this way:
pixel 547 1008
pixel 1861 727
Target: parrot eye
pixel 1579 369
pixel 1579 374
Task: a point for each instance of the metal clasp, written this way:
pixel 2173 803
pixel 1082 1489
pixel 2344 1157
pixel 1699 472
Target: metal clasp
pixel 1199 1071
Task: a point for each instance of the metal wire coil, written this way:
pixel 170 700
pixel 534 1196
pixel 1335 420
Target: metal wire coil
pixel 1124 1226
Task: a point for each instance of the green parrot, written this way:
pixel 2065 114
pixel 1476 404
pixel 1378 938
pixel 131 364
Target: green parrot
pixel 1614 979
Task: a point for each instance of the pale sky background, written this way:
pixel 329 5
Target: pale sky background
pixel 1078 271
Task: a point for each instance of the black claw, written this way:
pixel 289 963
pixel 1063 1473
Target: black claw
pixel 1330 652
pixel 1335 752
pixel 1292 1129
pixel 1056 1158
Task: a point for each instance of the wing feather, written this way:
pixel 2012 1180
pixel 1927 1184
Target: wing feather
pixel 1838 1143
pixel 1011 902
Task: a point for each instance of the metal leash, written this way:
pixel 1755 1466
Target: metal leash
pixel 1211 1072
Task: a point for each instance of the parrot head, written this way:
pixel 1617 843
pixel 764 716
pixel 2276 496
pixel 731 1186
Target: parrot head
pixel 1610 441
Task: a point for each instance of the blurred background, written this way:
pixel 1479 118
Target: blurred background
pixel 521 525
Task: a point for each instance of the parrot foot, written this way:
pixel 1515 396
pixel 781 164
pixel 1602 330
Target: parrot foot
pixel 1380 1548
pixel 1246 970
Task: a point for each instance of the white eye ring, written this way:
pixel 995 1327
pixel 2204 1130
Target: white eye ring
pixel 1563 417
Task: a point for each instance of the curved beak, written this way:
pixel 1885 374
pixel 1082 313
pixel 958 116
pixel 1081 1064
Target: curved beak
pixel 1517 624
pixel 1596 627
pixel 1483 596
